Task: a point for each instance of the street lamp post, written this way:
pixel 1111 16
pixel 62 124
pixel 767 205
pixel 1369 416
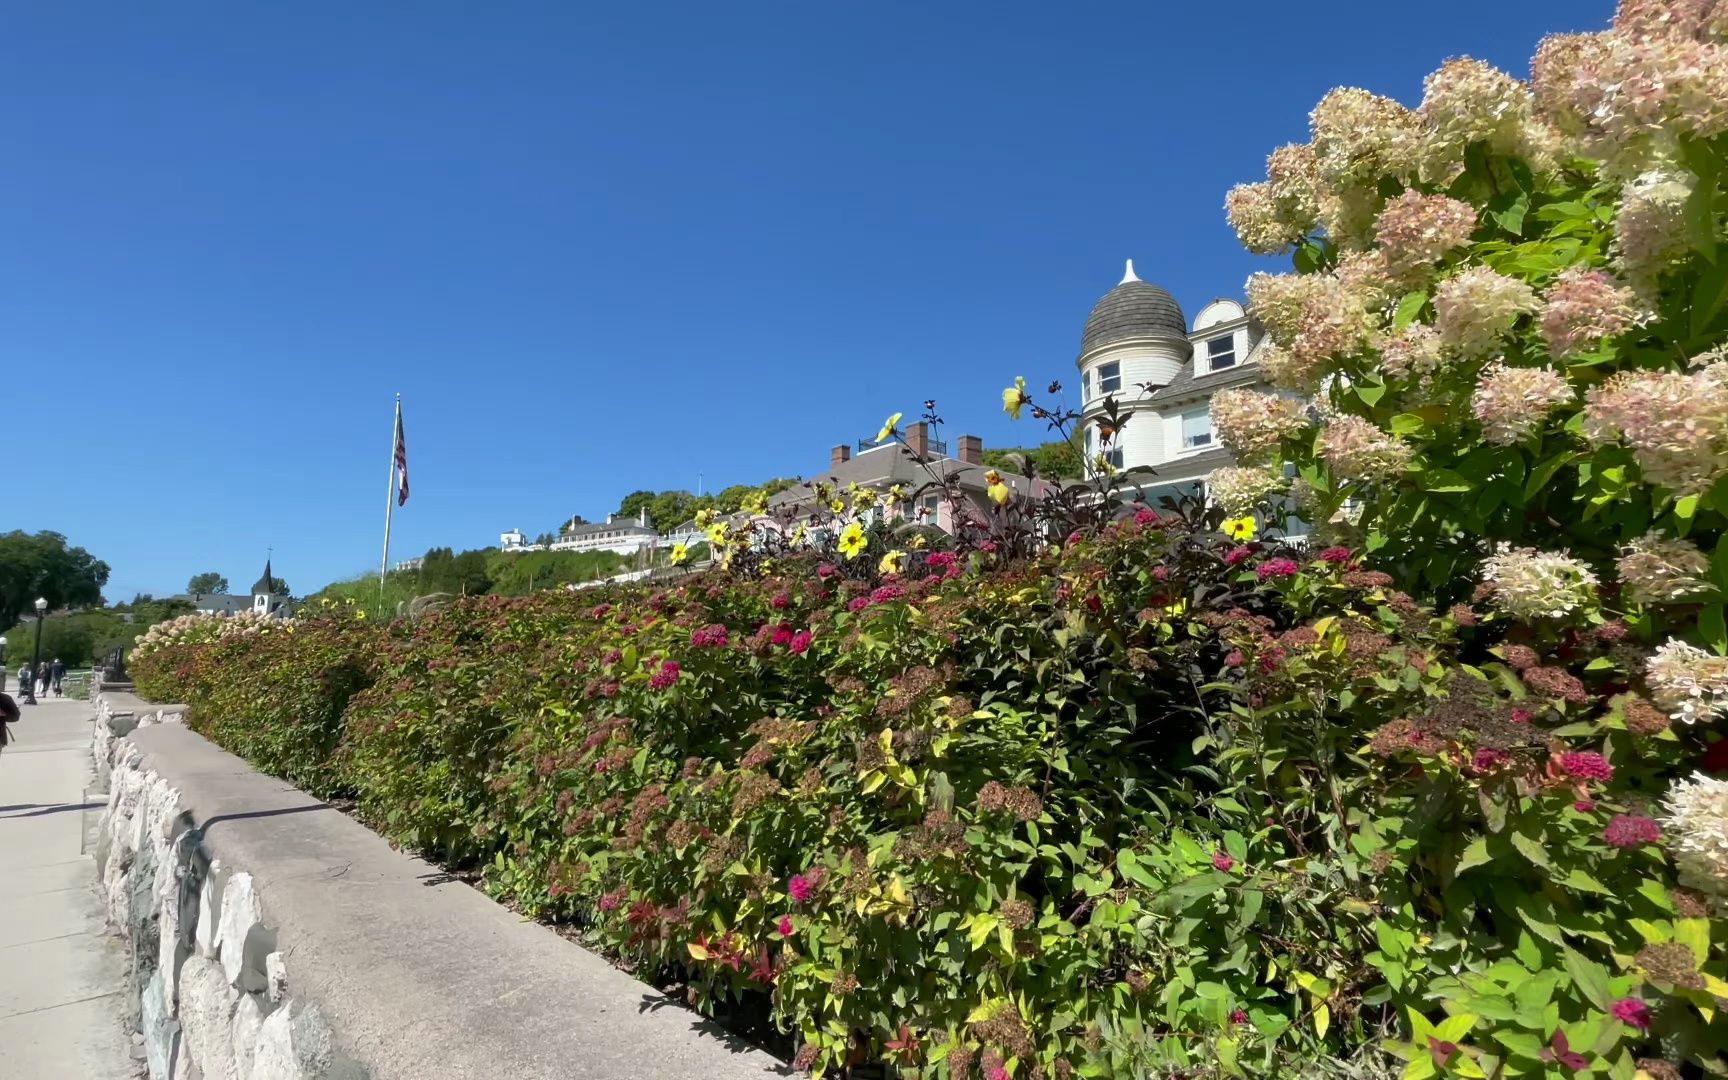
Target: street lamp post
pixel 36 662
pixel 2 664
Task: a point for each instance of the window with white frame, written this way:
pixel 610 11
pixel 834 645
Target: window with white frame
pixel 1221 353
pixel 1197 428
pixel 1109 378
pixel 932 509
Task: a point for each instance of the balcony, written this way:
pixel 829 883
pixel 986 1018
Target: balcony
pixel 932 447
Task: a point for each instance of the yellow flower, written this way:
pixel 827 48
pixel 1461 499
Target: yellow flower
pixel 919 541
pixel 837 505
pixel 798 535
pixel 679 554
pixel 704 518
pixel 864 498
pixel 717 533
pixel 1239 529
pixel 852 540
pixel 892 563
pixel 1014 398
pixel 754 503
pixel 890 429
pixel 896 494
pixel 996 489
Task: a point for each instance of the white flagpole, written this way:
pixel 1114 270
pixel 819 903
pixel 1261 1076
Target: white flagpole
pixel 389 499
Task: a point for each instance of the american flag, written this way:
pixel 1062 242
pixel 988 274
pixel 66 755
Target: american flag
pixel 401 460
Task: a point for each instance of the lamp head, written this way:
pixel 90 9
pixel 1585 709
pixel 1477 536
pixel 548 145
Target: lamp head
pixel 41 605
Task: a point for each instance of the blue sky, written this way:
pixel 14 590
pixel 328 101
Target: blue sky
pixel 596 247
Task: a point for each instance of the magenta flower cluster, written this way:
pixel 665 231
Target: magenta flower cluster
pixel 1276 568
pixel 1630 831
pixel 712 636
pixel 1586 765
pixel 665 677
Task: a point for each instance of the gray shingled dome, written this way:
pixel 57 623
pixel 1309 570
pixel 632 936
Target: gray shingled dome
pixel 1130 310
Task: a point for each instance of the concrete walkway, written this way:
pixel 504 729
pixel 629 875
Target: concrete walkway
pixel 61 976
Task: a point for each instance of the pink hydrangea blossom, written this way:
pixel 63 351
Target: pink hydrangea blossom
pixel 800 642
pixel 1581 308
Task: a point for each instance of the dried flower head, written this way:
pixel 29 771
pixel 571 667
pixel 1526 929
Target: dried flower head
pixel 1415 231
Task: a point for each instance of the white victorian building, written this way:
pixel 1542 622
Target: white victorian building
pixel 1139 348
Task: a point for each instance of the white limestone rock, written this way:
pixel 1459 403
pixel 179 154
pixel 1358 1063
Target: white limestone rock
pixel 239 916
pixel 248 1019
pixel 293 1047
pixel 210 909
pixel 207 1017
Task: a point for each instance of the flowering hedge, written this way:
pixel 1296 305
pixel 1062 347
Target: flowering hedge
pixel 1168 800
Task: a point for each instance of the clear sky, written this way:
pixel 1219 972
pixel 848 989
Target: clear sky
pixel 596 247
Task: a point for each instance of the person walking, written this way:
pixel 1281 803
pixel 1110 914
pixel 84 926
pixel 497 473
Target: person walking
pixel 26 682
pixel 8 713
pixel 58 670
pixel 43 681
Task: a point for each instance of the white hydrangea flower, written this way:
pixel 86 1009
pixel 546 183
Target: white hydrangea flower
pixel 1531 584
pixel 1688 683
pixel 1696 829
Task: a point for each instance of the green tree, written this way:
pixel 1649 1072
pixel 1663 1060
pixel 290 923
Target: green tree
pixel 207 583
pixel 1051 460
pixel 41 565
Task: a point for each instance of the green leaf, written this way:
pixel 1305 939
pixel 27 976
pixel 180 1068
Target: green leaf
pixel 1708 298
pixel 1712 625
pixel 1445 480
pixel 1409 308
pixel 1531 849
pixel 1474 855
pixel 1128 865
pixel 1589 976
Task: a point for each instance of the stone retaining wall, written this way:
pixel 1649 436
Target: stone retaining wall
pixel 272 938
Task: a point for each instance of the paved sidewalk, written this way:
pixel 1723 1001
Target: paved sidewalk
pixel 61 976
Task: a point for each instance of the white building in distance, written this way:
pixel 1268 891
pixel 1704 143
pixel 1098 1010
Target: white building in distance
pixel 1137 337
pixel 619 537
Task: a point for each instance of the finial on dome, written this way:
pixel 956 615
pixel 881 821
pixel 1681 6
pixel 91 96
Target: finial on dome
pixel 1128 274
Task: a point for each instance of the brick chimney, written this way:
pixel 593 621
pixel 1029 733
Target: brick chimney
pixel 918 439
pixel 971 449
pixel 839 456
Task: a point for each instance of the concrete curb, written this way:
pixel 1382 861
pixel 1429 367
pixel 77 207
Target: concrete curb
pixel 273 937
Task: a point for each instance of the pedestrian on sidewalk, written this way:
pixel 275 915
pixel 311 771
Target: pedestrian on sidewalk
pixel 43 681
pixel 26 684
pixel 8 713
pixel 58 670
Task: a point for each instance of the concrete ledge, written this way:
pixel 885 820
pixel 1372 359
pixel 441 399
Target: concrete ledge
pixel 417 977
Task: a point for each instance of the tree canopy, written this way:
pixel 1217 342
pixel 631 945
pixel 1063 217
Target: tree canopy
pixel 1052 460
pixel 670 509
pixel 41 565
pixel 207 583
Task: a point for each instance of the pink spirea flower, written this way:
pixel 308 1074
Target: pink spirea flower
pixel 1277 568
pixel 997 1072
pixel 988 547
pixel 1586 765
pixel 712 636
pixel 1075 537
pixel 939 558
pixel 1233 658
pixel 1222 861
pixel 612 656
pixel 785 926
pixel 783 634
pixel 800 888
pixel 885 593
pixel 1486 758
pixel 1520 716
pixel 1338 556
pixel 1631 830
pixel 611 900
pixel 1632 1012
pixel 800 642
pixel 825 571
pixel 1585 806
pixel 666 676
pixel 1145 516
pixel 1238 1016
pixel 858 603
pixel 1236 556
pixel 781 601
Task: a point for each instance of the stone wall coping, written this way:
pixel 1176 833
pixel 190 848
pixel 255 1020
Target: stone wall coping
pixel 419 976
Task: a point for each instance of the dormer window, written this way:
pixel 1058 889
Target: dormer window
pixel 1221 353
pixel 1109 378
